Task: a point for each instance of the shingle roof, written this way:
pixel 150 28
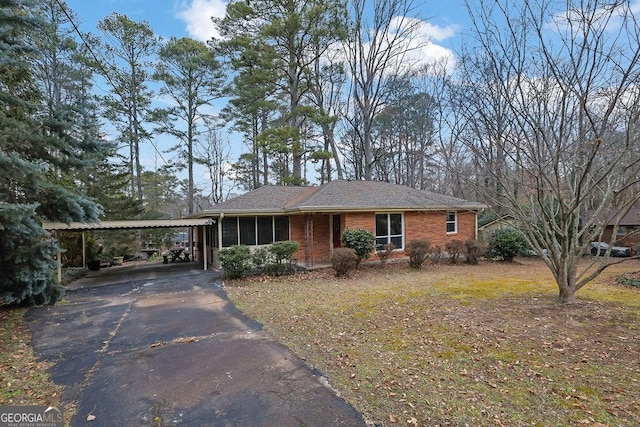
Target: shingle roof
pixel 632 218
pixel 368 195
pixel 269 198
pixel 340 195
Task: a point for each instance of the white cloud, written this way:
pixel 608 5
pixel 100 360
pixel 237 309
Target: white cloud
pixel 421 41
pixel 197 15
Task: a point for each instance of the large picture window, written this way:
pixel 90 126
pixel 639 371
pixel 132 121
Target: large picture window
pixel 254 230
pixel 452 222
pixel 389 229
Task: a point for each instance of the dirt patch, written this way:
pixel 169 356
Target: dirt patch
pixel 456 345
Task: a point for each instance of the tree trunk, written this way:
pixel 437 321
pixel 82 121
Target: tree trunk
pixel 567 295
pixel 566 280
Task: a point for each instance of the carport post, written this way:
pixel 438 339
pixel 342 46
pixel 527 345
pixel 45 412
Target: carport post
pixel 84 252
pixel 59 258
pixel 204 246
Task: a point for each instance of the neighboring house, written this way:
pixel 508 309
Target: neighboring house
pixel 505 221
pixel 628 233
pixel 316 216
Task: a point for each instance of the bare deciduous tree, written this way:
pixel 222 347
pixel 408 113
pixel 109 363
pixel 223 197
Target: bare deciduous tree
pixel 382 35
pixel 554 94
pixel 215 154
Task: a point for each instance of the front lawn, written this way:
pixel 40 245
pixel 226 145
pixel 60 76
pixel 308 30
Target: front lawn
pixel 23 380
pixel 462 345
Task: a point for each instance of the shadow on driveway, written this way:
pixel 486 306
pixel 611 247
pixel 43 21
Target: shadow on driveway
pixel 159 345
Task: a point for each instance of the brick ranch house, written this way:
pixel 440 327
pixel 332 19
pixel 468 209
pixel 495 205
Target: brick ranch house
pixel 316 216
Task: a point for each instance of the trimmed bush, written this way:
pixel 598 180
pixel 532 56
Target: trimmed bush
pixel 283 251
pixel 506 243
pixel 418 251
pixel 386 252
pixel 259 258
pixel 474 250
pixel 343 260
pixel 360 240
pixel 455 248
pixel 236 261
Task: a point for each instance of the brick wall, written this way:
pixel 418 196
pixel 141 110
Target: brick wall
pixel 365 220
pixel 432 226
pixel 317 250
pixel 418 225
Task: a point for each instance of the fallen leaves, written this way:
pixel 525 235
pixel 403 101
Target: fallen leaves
pixel 23 380
pixel 403 349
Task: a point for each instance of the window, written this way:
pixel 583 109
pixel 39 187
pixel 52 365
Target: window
pixel 281 228
pixel 247 226
pixel 229 232
pixel 389 229
pixel 452 222
pixel 252 230
pixel 265 230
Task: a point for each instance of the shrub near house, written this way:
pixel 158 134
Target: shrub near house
pixel 317 217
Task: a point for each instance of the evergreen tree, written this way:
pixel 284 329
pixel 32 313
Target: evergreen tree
pixel 126 67
pixel 290 36
pixel 191 77
pixel 31 158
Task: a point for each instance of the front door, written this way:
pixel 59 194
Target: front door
pixel 336 231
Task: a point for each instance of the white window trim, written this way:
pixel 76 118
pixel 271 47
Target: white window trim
pixel 455 222
pixel 389 236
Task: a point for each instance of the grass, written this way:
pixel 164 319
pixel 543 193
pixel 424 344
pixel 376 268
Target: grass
pixel 457 345
pixel 446 345
pixel 23 380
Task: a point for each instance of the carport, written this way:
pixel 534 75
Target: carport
pixel 202 224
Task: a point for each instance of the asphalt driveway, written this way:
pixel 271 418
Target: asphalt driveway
pixel 160 345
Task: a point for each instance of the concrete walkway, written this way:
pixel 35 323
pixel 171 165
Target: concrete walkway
pixel 161 345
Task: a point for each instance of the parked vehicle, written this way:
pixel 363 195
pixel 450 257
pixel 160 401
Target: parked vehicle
pixel 616 251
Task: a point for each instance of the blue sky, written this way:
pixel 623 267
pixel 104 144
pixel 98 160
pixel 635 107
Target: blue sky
pixel 444 22
pixel 179 18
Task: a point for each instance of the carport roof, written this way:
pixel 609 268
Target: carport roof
pixel 126 224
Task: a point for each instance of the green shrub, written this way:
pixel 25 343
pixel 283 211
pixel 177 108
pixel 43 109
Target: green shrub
pixel 417 251
pixel 283 251
pixel 506 243
pixel 281 254
pixel 361 241
pixel 455 248
pixel 235 261
pixel 343 260
pixel 386 252
pixel 631 279
pixel 474 250
pixel 259 258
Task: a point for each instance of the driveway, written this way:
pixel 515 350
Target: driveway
pixel 160 345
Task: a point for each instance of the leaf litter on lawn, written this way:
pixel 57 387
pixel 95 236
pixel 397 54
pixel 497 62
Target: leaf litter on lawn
pixel 461 344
